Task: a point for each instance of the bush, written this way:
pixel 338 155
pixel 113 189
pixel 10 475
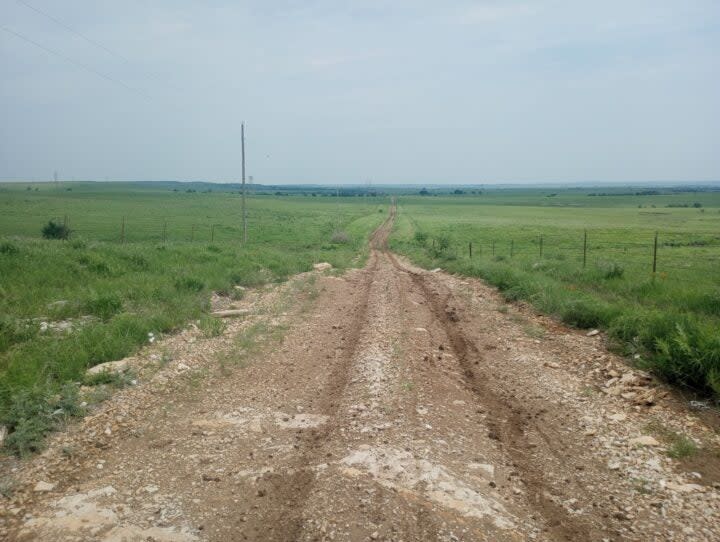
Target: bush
pixel 53 230
pixel 340 237
pixel 33 414
pixel 8 248
pixel 421 237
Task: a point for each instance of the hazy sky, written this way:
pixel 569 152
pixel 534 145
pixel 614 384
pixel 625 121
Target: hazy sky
pixel 337 91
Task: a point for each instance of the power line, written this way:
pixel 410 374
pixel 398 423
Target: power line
pixel 71 29
pixel 75 63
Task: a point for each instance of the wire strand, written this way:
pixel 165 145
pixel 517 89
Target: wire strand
pixel 77 64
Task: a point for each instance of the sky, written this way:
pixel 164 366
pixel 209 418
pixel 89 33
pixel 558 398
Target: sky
pixel 345 92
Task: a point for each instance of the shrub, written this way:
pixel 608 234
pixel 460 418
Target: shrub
pixel 340 237
pixel 8 248
pixel 33 414
pixel 421 237
pixel 53 230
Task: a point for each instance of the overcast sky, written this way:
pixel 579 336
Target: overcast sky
pixel 337 91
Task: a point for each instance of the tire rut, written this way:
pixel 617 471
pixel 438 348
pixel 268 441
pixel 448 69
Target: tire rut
pixel 507 422
pixel 286 493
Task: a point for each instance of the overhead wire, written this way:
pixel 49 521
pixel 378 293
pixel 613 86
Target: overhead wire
pixel 75 63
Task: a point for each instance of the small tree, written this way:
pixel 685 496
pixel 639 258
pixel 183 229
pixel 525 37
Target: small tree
pixel 53 230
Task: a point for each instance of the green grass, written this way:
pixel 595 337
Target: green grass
pixel 671 320
pixel 113 295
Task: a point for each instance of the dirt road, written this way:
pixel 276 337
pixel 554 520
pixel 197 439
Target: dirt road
pixel 389 403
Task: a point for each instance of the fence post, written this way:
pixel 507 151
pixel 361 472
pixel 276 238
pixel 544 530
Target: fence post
pixel 122 231
pixel 164 232
pixel 212 233
pixel 541 245
pixel 655 255
pixel 192 234
pixel 493 247
pixel 584 249
pixel 470 249
pixel 512 247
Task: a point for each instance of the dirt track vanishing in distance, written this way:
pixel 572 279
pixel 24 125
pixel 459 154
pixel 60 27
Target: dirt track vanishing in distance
pixel 400 404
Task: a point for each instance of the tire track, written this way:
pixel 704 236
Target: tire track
pixel 508 422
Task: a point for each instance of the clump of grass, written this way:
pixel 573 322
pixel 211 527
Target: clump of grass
pixel 679 446
pixel 211 326
pixel 8 248
pixel 103 306
pixel 115 379
pixel 611 270
pixel 54 230
pixel 420 237
pixel 340 237
pixel 190 283
pixel 33 414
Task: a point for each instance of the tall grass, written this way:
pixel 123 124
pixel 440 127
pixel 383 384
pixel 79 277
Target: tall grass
pixel 68 305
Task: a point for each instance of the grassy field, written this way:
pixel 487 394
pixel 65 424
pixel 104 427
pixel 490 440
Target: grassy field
pixel 68 305
pixel 530 244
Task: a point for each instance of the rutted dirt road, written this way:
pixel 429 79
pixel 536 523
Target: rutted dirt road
pixel 389 403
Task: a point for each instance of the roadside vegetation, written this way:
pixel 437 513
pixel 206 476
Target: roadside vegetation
pixel 667 322
pixel 73 296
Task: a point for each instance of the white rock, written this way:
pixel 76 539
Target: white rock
pixel 644 440
pixel 3 434
pixel 43 487
pixel 619 417
pixel 593 333
pixel 322 266
pixel 118 366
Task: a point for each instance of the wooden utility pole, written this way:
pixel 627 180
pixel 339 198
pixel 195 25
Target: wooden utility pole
pixel 244 197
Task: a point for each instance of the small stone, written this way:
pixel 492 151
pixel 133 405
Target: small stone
pixel 593 333
pixel 619 417
pixel 43 487
pixel 552 364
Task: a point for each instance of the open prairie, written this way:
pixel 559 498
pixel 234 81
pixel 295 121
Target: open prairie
pixel 184 387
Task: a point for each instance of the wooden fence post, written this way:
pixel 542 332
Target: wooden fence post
pixel 164 237
pixel 655 255
pixel 512 247
pixel 192 234
pixel 493 247
pixel 541 245
pixel 470 249
pixel 122 231
pixel 212 233
pixel 584 249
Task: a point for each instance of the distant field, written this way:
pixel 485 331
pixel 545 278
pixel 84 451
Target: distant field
pixel 670 321
pixel 114 294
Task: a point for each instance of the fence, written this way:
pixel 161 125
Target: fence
pixel 129 229
pixel 641 252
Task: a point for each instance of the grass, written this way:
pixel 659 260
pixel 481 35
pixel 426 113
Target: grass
pixel 670 319
pixel 68 305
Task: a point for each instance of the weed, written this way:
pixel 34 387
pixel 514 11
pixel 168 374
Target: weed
pixel 211 326
pixel 682 446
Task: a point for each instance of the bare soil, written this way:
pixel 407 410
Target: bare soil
pixel 389 403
